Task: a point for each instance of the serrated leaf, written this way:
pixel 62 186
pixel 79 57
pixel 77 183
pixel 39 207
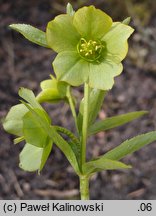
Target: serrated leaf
pixel 69 10
pixel 57 139
pixel 66 149
pixel 96 98
pixel 115 121
pixel 76 149
pixel 13 122
pixel 130 146
pixel 31 33
pixel 103 164
pixel 33 158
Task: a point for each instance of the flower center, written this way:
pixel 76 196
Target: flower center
pixel 90 50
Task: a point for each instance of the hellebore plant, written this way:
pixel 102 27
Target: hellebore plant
pixel 90 48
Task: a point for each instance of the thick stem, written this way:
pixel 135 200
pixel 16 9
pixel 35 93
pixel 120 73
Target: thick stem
pixel 85 124
pixel 70 100
pixel 84 187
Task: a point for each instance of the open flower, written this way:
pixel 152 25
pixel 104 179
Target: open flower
pixel 90 47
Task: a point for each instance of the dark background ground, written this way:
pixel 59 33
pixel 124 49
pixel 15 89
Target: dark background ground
pixel 25 64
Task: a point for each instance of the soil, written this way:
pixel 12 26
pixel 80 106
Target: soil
pixel 25 64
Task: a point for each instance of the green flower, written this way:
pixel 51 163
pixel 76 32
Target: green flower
pixel 90 47
pixel 53 91
pixel 22 123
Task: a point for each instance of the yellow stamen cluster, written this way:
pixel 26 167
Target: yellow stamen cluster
pixel 90 50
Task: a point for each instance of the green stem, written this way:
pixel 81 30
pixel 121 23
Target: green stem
pixel 84 187
pixel 85 124
pixel 70 100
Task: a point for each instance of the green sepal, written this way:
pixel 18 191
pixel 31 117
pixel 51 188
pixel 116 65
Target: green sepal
pixel 53 91
pixel 33 131
pixel 57 139
pixel 31 33
pixel 116 40
pixel 91 22
pixel 49 95
pixel 13 122
pixel 103 164
pixel 30 158
pixel 33 158
pixel 70 68
pixel 101 76
pixel 115 121
pixel 69 10
pixel 61 34
pixel 130 146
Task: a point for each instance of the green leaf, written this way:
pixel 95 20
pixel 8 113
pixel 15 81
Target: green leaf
pixel 73 142
pixel 46 151
pixel 85 20
pixel 115 121
pixel 69 10
pixel 33 130
pixel 96 98
pixel 31 33
pixel 57 139
pixel 103 164
pixel 13 122
pixel 29 96
pixel 126 21
pixel 33 158
pixel 76 149
pixel 130 146
pixel 65 148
